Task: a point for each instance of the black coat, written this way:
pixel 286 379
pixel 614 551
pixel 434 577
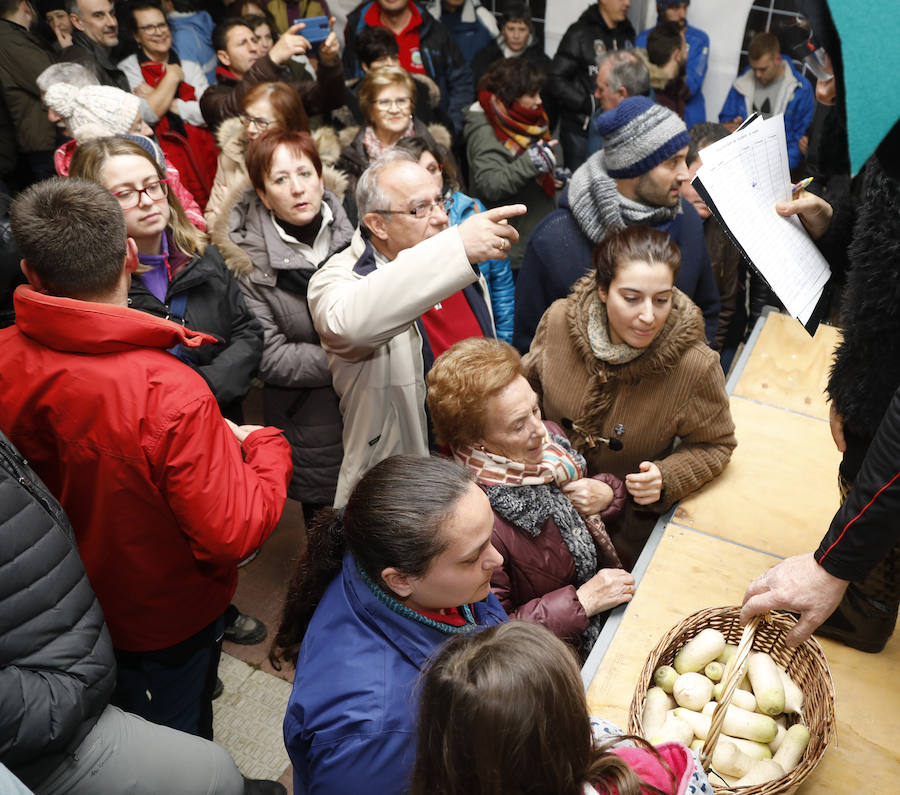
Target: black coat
pixel 490 53
pixel 866 369
pixel 865 529
pixel 57 669
pixel 573 73
pixel 215 305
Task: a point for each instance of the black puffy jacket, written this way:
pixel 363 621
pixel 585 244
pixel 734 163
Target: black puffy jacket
pixel 57 669
pixel 215 305
pixel 865 529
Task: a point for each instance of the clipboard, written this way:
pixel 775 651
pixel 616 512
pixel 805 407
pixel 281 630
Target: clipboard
pixel 741 179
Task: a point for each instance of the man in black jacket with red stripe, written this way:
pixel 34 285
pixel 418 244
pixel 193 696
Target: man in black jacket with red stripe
pixel 863 533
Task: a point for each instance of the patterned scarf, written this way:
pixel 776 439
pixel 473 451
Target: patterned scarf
pixel 598 335
pixel 517 128
pixel 598 206
pixel 374 146
pixel 529 508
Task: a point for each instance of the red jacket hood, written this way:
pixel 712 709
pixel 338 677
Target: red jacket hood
pixel 66 324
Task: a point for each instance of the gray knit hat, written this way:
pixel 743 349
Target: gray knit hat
pixel 638 135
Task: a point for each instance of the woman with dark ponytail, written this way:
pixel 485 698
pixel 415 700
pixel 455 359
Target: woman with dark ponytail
pixel 405 565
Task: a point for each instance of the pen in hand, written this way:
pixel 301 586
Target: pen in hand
pixel 801 185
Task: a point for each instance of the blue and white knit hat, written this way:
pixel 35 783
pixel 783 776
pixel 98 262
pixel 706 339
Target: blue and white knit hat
pixel 638 135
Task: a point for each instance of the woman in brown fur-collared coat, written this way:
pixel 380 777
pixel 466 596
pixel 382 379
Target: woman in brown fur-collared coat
pixel 624 358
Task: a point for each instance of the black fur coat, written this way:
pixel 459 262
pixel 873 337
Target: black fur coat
pixel 866 369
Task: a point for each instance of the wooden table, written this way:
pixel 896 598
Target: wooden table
pixel 776 498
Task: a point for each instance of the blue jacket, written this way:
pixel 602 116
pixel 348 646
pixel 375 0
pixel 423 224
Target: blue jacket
pixel 697 62
pixel 559 253
pixel 441 57
pixel 497 272
pixel 797 115
pixel 192 40
pixel 350 725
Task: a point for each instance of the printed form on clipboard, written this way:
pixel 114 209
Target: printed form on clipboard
pixel 741 179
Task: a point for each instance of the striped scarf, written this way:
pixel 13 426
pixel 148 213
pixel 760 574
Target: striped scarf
pixel 517 128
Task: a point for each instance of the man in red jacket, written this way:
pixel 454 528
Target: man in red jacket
pixel 165 496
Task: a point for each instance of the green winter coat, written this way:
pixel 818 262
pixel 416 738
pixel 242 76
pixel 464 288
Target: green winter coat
pixel 497 177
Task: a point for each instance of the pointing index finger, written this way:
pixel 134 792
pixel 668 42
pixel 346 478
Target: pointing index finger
pixel 497 214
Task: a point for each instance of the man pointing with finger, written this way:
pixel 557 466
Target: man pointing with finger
pixel 386 307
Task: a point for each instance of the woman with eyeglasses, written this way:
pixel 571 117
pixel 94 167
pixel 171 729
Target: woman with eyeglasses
pixel 266 106
pixel 171 90
pixel 278 234
pixel 181 276
pixel 387 102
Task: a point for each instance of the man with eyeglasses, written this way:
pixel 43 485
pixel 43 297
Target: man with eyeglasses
pixel 242 65
pixel 405 289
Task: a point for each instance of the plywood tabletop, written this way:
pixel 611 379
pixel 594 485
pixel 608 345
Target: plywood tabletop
pixel 776 498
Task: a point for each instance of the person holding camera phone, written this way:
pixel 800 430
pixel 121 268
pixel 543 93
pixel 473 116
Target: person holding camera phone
pixel 242 65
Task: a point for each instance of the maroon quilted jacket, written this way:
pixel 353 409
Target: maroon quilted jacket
pixel 537 579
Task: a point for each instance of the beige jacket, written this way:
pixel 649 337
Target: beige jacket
pixel 365 317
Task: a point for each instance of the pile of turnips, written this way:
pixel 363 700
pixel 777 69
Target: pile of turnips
pixel 756 744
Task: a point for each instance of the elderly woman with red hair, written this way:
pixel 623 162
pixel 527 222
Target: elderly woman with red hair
pixel 559 566
pixel 284 228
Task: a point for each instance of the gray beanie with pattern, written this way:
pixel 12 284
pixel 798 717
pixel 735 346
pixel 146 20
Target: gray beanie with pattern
pixel 638 135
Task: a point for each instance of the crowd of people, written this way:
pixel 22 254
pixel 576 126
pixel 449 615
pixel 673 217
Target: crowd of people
pixel 490 320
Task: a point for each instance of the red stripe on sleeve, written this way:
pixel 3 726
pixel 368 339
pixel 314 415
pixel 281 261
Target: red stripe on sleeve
pixel 865 508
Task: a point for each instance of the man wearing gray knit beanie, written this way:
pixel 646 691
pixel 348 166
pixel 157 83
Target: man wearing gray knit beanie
pixel 634 179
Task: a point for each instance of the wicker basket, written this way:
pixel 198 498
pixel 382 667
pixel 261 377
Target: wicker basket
pixel 806 664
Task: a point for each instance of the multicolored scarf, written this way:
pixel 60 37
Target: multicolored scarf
pixel 560 464
pixel 529 508
pixel 517 128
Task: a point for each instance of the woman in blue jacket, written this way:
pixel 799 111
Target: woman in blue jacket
pixel 497 272
pixel 405 565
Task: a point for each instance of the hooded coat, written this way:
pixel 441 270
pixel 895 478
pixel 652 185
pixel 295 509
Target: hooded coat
pixel 673 391
pixel 298 396
pixel 163 500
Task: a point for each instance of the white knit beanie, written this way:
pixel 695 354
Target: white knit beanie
pixel 93 111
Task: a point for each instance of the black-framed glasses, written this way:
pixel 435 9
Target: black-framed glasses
pixel 260 124
pixel 157 27
pixel 131 197
pixel 422 209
